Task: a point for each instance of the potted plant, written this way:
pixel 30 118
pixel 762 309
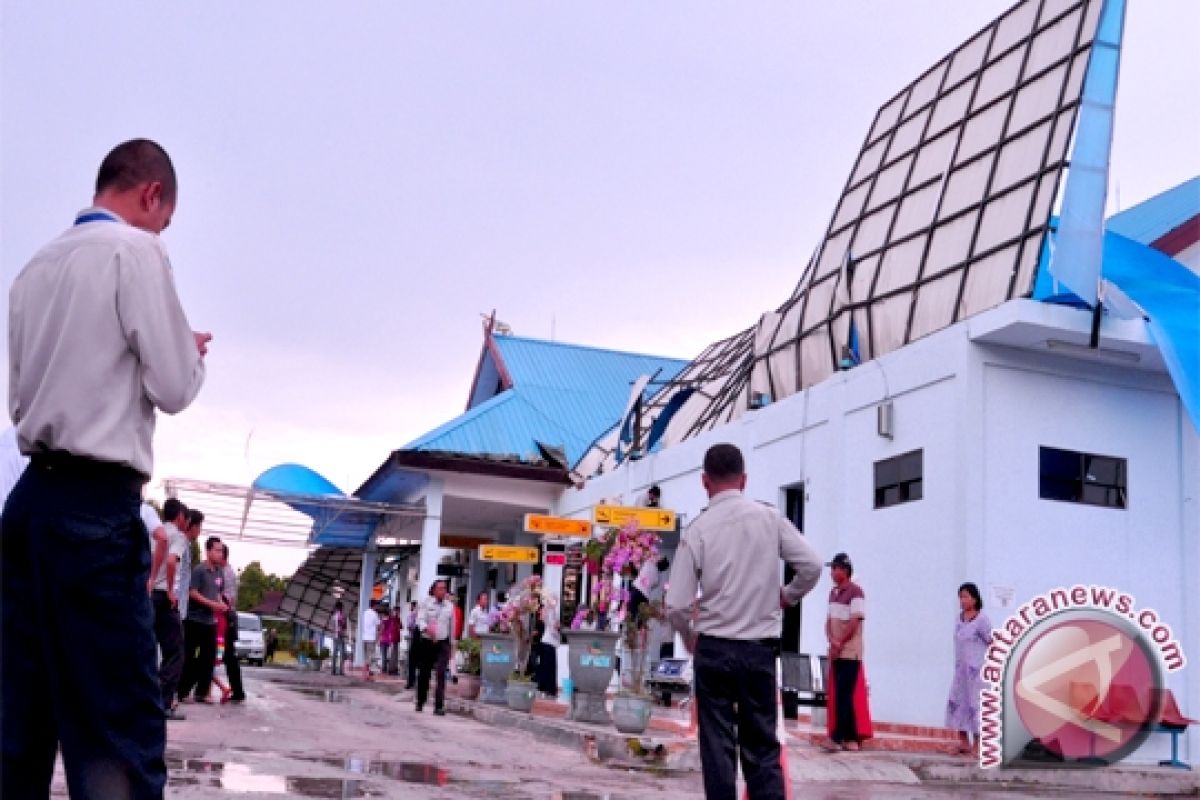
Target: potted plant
pixel 497 658
pixel 506 648
pixel 468 674
pixel 520 692
pixel 592 645
pixel 633 704
pixel 304 653
pixel 320 657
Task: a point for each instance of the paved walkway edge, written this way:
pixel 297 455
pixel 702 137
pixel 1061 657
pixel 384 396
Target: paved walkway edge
pixel 1129 779
pixel 605 744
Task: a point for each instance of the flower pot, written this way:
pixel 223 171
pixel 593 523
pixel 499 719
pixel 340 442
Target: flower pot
pixel 592 659
pixel 497 660
pixel 631 713
pixel 520 695
pixel 469 686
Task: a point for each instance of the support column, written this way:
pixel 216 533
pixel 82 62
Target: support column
pixel 400 585
pixel 366 583
pixel 431 538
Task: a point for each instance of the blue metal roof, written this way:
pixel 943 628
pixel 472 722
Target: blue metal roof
pixel 562 395
pixel 1149 221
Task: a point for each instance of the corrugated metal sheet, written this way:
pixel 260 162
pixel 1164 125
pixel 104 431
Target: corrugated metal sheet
pixel 563 394
pixel 1152 219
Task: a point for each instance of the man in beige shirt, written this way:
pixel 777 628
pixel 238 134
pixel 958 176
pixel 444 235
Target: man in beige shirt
pixel 436 623
pixel 97 342
pixel 732 555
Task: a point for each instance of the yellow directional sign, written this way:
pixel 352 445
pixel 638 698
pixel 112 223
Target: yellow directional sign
pixel 651 519
pixel 557 526
pixel 502 552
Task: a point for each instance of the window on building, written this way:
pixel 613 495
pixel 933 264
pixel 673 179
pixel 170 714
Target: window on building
pixel 899 480
pixel 1071 477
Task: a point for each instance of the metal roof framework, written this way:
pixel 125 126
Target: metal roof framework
pixel 331 574
pixel 944 215
pixel 241 513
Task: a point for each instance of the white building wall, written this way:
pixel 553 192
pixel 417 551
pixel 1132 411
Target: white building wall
pixel 979 413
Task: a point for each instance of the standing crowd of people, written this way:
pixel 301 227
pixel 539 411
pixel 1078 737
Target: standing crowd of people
pixel 98 344
pixel 195 610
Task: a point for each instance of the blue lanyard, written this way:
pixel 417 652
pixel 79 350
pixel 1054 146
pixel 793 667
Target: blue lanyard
pixel 95 216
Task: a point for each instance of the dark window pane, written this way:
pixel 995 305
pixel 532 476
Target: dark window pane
pixel 1061 463
pixel 1063 489
pixel 898 479
pixel 1074 477
pixel 887 473
pixel 910 466
pixel 1100 469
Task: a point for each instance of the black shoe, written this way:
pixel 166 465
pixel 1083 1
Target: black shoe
pixel 420 707
pixel 175 714
pixel 439 712
pixel 241 698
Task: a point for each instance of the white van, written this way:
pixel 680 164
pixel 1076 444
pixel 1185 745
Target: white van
pixel 250 645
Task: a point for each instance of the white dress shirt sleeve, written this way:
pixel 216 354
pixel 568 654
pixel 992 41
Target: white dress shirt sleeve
pixel 157 329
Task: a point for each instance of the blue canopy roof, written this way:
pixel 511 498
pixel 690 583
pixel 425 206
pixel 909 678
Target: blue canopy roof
pixel 336 520
pixel 560 395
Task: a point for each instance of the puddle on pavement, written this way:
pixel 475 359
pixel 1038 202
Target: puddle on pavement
pixel 238 778
pixel 326 695
pixel 406 771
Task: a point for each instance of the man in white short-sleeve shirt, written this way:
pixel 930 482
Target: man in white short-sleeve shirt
pixel 168 628
pixel 370 636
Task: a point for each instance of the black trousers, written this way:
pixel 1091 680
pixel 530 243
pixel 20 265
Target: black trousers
pixel 77 666
pixel 547 668
pixel 737 709
pixel 436 659
pixel 168 630
pixel 199 658
pixel 845 679
pixel 233 668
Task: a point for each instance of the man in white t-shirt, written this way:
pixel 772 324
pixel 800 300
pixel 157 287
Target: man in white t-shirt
pixel 479 621
pixel 370 635
pixel 163 582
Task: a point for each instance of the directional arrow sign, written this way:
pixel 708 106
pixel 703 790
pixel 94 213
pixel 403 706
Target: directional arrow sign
pixel 557 526
pixel 500 552
pixel 651 519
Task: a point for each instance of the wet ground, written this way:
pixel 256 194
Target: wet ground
pixel 312 736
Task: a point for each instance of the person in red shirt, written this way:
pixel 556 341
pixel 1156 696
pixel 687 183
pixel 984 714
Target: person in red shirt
pixel 389 637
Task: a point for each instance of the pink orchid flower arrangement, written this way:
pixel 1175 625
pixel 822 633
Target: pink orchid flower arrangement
pixel 624 551
pixel 527 599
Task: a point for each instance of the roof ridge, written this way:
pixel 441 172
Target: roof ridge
pixel 1178 187
pixel 462 419
pixel 591 348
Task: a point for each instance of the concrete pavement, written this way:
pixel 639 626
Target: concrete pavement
pixel 309 735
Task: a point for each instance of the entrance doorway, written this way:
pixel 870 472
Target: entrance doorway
pixel 793 504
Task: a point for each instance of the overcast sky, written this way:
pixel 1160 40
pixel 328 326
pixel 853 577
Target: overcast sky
pixel 357 186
